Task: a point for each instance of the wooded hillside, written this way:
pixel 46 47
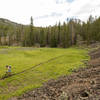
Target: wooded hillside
pixel 59 35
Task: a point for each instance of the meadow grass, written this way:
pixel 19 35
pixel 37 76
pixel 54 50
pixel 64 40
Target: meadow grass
pixel 22 58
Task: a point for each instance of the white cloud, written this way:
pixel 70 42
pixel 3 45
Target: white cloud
pixel 47 12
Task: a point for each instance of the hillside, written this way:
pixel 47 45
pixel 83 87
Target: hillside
pixel 10 32
pixel 66 34
pixel 7 22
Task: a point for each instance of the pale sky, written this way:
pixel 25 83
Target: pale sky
pixel 48 12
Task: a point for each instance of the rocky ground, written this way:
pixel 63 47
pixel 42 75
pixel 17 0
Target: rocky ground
pixel 83 84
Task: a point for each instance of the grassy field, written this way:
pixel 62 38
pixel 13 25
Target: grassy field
pixel 54 63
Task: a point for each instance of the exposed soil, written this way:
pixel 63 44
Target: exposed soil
pixel 83 84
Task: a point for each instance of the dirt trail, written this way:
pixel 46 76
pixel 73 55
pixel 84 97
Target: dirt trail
pixel 83 84
pixel 4 77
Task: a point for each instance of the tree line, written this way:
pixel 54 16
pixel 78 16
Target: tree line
pixel 60 35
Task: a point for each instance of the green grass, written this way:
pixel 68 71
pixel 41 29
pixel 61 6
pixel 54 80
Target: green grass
pixel 24 58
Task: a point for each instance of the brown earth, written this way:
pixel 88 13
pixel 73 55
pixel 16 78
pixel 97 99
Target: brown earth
pixel 83 84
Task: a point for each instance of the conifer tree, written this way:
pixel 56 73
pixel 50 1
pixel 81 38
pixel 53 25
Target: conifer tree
pixel 31 34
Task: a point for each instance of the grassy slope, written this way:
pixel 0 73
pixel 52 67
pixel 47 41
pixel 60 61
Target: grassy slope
pixel 24 58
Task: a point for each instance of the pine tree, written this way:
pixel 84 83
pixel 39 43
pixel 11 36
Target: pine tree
pixel 31 34
pixel 59 33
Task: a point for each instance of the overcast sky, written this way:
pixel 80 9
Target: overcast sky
pixel 48 12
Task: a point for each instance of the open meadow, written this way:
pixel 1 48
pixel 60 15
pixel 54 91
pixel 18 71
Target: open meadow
pixel 31 67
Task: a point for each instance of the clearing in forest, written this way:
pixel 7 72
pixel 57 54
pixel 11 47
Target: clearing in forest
pixel 34 66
